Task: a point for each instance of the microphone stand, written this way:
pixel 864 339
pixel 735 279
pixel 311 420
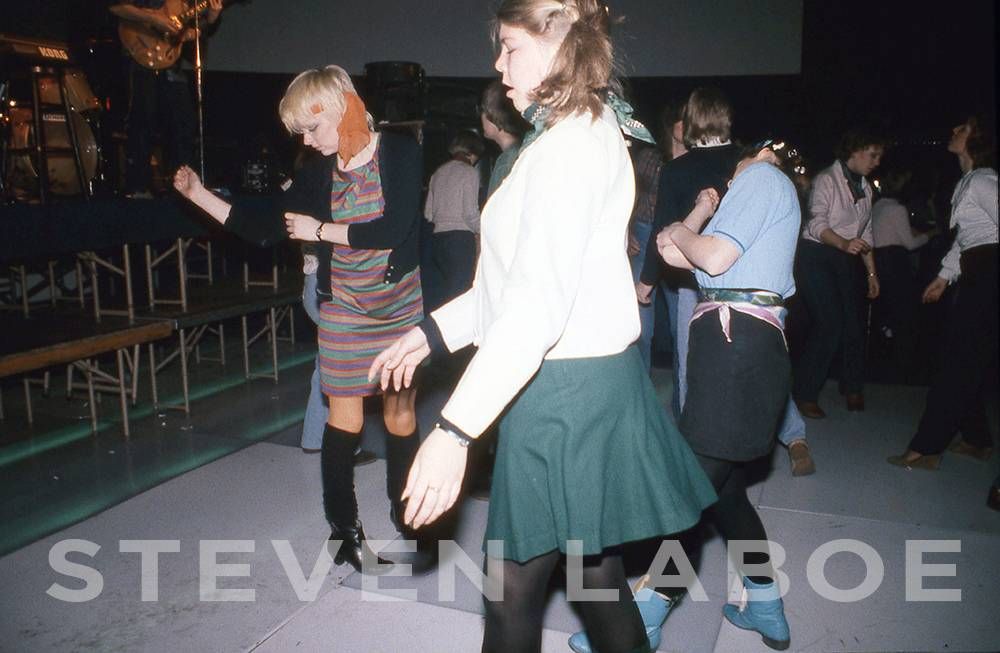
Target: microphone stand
pixel 199 97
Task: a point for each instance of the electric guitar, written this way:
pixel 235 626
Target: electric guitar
pixel 152 48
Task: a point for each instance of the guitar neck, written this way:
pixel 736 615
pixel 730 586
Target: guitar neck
pixel 190 13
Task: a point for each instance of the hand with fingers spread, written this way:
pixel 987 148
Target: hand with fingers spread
pixel 397 364
pixel 435 478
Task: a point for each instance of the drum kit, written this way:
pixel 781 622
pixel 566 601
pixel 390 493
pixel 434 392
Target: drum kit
pixel 41 89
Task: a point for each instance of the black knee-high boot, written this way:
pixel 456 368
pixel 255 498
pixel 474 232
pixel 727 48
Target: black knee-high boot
pixel 399 455
pixel 340 503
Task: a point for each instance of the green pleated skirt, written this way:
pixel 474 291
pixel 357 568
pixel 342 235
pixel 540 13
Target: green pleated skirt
pixel 586 452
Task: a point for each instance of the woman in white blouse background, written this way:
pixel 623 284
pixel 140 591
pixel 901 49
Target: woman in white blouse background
pixel 956 399
pixel 586 452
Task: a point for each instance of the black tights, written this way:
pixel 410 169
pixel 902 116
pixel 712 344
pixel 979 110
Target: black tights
pixel 514 624
pixel 733 516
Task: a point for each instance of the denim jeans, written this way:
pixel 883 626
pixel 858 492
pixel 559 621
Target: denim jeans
pixel 316 410
pixel 792 427
pixel 670 298
pixel 641 231
pixel 687 299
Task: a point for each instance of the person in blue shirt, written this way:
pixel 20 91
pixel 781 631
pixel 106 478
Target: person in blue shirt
pixel 739 374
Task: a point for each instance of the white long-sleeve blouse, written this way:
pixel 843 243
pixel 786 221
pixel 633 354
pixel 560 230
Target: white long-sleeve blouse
pixel 553 280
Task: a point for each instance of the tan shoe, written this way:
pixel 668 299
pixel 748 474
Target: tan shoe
pixel 966 449
pixel 810 409
pixel 800 459
pixel 913 460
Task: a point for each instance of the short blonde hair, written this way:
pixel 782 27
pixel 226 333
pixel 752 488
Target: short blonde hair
pixel 322 88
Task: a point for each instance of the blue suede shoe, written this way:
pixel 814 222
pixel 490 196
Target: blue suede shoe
pixel 761 610
pixel 653 608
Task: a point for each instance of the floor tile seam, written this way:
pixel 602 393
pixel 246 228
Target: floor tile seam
pixel 718 636
pixel 288 619
pixel 879 521
pixel 390 593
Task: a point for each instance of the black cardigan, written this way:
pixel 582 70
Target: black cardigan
pixel 400 166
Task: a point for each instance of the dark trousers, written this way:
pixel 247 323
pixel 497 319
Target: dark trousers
pixel 157 98
pixel 455 257
pixel 956 398
pixel 898 299
pixel 830 283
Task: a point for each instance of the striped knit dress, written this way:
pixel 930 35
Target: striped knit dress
pixel 366 314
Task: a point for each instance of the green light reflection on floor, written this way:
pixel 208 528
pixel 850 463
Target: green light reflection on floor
pixel 22 531
pixel 59 437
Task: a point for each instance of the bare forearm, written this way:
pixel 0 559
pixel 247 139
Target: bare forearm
pixel 673 256
pixel 869 261
pixel 692 247
pixel 212 204
pixel 712 255
pixel 830 237
pixel 697 218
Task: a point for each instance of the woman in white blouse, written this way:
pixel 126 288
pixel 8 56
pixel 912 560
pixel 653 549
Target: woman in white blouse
pixel 956 400
pixel 586 452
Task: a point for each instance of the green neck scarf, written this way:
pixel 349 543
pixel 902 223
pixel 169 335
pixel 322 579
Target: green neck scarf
pixel 537 114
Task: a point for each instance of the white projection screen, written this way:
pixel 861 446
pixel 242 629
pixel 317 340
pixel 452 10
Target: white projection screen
pixel 450 38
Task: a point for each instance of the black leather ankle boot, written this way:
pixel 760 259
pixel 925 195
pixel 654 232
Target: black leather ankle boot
pixel 354 550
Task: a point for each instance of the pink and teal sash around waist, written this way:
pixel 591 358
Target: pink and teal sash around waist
pixel 761 304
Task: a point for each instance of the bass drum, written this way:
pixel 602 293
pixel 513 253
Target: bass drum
pixel 22 173
pixel 78 91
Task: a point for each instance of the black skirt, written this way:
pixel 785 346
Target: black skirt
pixel 736 391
